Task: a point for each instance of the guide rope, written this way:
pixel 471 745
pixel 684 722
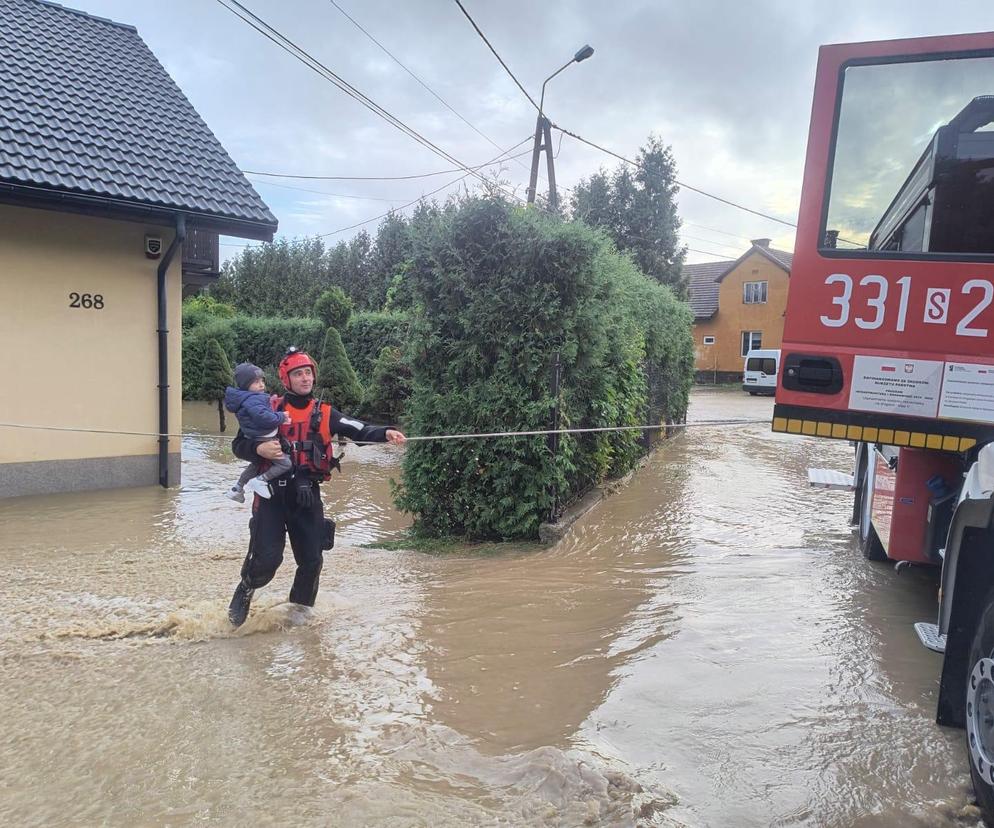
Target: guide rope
pixel 421 438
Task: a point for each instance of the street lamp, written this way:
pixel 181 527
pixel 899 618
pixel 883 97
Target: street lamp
pixel 543 130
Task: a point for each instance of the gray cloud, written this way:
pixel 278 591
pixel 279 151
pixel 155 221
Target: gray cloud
pixel 728 85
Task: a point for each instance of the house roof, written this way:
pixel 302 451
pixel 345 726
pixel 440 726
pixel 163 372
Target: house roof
pixel 704 279
pixel 702 284
pixel 89 119
pixel 782 257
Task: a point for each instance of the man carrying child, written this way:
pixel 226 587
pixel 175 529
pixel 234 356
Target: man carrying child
pixel 294 507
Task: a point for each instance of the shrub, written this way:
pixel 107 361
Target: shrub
pixel 368 334
pixel 337 383
pixel 333 308
pixel 259 340
pixel 386 396
pixel 217 374
pixel 499 291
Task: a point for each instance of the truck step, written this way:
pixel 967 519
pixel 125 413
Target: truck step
pixel 830 479
pixel 929 636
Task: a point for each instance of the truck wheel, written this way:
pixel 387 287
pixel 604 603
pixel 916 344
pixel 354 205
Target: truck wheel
pixel 980 711
pixel 869 543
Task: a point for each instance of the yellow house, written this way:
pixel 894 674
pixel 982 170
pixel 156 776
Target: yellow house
pixel 112 194
pixel 738 306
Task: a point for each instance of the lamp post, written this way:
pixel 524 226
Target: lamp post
pixel 543 136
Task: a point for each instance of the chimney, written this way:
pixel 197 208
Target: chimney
pixel 762 243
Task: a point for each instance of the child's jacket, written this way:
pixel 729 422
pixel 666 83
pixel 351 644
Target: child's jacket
pixel 254 412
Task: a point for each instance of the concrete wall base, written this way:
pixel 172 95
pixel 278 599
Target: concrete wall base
pixel 717 378
pixel 52 476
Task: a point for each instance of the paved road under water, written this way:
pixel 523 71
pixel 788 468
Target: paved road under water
pixel 706 648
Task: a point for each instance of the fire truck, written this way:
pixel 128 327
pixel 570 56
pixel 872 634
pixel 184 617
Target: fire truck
pixel 889 333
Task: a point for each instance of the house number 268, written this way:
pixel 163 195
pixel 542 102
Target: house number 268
pixel 90 301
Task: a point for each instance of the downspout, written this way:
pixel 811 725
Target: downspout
pixel 163 332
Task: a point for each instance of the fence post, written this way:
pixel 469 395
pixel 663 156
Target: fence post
pixel 553 440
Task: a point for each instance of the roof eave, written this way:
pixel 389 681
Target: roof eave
pixel 105 207
pixel 754 249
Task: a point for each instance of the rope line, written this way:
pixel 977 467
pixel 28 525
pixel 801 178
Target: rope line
pixel 422 438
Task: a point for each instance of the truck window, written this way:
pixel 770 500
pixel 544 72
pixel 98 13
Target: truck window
pixel 913 169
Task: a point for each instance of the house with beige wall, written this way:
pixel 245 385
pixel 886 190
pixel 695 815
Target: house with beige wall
pixel 738 306
pixel 112 194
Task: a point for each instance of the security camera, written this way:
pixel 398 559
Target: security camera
pixel 153 246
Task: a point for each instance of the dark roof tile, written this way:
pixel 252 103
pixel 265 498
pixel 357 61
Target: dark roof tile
pixel 85 107
pixel 702 281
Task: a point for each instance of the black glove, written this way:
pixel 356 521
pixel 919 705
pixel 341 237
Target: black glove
pixel 305 491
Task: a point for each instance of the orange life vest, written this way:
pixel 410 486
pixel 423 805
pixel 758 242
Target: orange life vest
pixel 309 436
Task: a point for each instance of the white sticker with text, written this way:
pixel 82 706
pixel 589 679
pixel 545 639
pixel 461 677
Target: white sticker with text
pixel 893 385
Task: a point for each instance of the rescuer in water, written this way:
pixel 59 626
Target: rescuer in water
pixel 295 507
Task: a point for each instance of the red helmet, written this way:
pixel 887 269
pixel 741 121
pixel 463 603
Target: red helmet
pixel 294 358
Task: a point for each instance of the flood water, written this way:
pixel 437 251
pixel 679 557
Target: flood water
pixel 707 647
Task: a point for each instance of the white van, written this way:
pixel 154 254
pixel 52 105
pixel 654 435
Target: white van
pixel 760 374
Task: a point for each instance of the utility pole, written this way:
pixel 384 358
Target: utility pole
pixel 543 141
pixel 543 138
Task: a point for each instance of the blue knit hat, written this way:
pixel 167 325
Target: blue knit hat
pixel 246 373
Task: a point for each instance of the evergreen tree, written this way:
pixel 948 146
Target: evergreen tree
pixel 337 382
pixel 216 377
pixel 637 208
pixel 333 308
pixel 393 248
pixel 279 279
pixel 387 394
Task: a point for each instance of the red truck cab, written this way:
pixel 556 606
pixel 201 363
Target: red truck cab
pixel 889 330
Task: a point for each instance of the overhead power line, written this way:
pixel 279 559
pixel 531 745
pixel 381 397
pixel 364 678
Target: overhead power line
pixel 524 91
pixel 421 197
pixel 716 230
pixel 604 149
pixel 708 253
pixel 710 241
pixel 397 60
pixel 314 64
pixel 678 183
pixel 372 198
pixel 373 177
pixel 323 192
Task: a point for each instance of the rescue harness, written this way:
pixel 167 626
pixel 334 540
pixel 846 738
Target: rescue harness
pixel 308 437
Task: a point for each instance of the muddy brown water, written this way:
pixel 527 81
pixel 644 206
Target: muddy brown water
pixel 706 648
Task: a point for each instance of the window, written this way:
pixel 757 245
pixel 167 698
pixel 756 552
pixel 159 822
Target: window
pixel 751 340
pixel 913 165
pixel 709 340
pixel 754 293
pixel 765 365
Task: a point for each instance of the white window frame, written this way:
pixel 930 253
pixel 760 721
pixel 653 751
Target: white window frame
pixel 709 340
pixel 748 338
pixel 755 293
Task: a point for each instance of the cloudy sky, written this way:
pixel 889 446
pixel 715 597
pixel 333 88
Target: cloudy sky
pixel 727 84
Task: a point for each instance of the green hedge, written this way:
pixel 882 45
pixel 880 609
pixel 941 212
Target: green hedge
pixel 368 334
pixel 498 290
pixel 260 340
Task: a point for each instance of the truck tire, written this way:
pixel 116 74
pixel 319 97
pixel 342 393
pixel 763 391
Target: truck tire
pixel 980 710
pixel 869 543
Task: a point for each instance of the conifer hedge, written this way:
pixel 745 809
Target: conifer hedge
pixel 498 290
pixel 368 333
pixel 260 340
